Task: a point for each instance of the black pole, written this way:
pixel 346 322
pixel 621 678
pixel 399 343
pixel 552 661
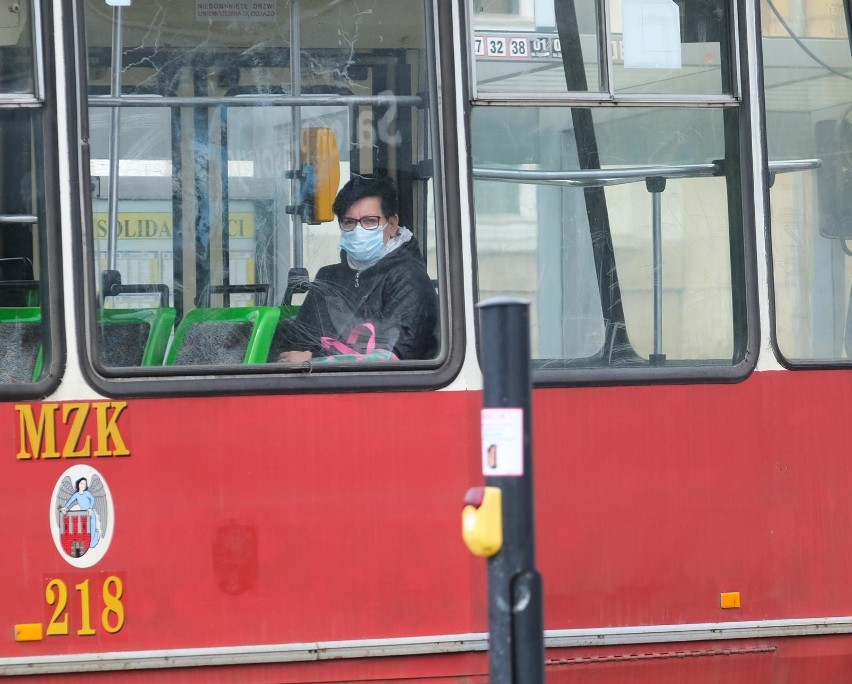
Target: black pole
pixel 516 642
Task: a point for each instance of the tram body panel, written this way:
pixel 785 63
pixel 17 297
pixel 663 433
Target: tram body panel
pixel 299 531
pixel 280 536
pixel 266 524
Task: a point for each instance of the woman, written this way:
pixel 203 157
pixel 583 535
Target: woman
pixel 381 280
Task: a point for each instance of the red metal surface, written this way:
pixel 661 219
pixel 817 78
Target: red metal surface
pixel 279 519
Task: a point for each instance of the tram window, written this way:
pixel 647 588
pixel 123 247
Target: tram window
pixel 674 47
pixel 806 62
pixel 27 349
pixel 549 243
pixel 622 225
pixel 202 192
pixel 17 73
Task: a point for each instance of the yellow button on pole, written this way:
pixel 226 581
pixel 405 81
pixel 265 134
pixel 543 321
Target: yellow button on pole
pixel 29 632
pixel 482 520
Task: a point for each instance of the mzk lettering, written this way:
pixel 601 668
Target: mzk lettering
pixel 70 430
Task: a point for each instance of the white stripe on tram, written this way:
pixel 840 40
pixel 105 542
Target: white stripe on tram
pixel 414 646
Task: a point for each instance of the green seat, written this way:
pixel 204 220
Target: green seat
pixel 208 336
pixel 280 340
pixel 289 311
pixel 21 353
pixel 134 337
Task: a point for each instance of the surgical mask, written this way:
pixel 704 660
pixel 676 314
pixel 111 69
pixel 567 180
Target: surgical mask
pixel 364 245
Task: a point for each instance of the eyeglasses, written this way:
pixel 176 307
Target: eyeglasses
pixel 366 222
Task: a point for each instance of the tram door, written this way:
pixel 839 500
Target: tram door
pixel 213 136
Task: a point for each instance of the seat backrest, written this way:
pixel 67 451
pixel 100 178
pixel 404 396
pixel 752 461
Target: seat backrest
pixel 208 336
pixel 20 344
pixel 134 337
pixel 279 339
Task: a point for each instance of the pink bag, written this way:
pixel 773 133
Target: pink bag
pixel 346 352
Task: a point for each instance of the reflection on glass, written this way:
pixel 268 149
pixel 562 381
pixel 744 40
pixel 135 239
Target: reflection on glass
pixel 552 49
pixel 16 51
pixel 807 68
pixel 675 47
pixel 665 47
pixel 214 202
pixel 581 249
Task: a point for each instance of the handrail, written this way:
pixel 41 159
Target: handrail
pixel 18 218
pixel 655 182
pixel 227 290
pixel 587 178
pixel 116 289
pixel 254 101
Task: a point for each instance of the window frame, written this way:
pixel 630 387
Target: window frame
pixel 785 359
pixel 744 289
pixel 43 99
pixel 270 378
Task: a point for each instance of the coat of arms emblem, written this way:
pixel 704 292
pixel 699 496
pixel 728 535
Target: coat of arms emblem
pixel 81 516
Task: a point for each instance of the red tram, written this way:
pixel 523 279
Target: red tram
pixel 665 181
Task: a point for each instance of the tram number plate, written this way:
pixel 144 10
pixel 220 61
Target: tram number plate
pixel 84 605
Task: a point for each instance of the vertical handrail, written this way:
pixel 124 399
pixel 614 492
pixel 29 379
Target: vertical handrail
pixel 296 125
pixel 114 139
pixel 656 185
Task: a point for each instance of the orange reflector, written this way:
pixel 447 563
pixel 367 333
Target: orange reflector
pixel 730 599
pixel 29 632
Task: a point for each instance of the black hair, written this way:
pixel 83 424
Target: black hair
pixel 79 480
pixel 359 187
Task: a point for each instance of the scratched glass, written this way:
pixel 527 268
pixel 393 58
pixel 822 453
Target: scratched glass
pixel 207 192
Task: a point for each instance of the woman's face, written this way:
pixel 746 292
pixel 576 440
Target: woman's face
pixel 372 206
pixel 83 485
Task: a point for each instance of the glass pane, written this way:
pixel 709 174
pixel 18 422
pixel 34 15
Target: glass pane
pixel 809 133
pixel 577 239
pixel 226 204
pixel 671 47
pixel 547 49
pixel 492 7
pixel 16 48
pixel 676 47
pixel 23 322
pixel 166 44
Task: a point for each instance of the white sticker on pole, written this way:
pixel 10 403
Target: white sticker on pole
pixel 503 442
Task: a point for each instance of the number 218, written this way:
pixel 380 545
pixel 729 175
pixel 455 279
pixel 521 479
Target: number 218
pixel 112 616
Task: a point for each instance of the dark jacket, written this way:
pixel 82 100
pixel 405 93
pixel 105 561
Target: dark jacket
pixel 395 295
